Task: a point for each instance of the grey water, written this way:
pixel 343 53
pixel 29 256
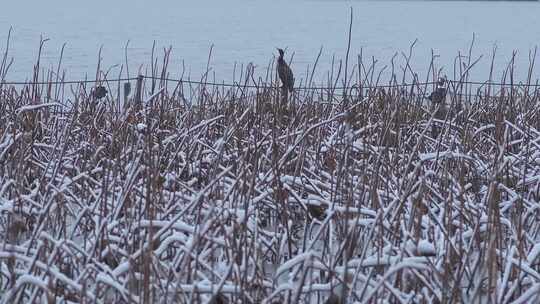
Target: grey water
pixel 248 31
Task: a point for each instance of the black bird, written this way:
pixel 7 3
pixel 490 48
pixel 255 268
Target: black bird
pixel 284 72
pixel 439 94
pixel 100 92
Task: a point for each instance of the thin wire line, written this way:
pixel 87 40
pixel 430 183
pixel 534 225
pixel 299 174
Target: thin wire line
pixel 265 86
pixel 63 81
pixel 485 83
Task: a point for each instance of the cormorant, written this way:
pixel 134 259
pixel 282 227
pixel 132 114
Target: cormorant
pixel 439 94
pixel 284 72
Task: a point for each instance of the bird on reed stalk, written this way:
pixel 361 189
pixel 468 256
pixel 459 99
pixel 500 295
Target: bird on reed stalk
pixel 100 92
pixel 284 72
pixel 439 94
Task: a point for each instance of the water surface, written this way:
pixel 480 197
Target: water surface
pixel 248 31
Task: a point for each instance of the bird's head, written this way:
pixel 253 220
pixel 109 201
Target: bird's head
pixel 441 82
pixel 281 52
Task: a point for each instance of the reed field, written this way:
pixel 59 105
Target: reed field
pixel 355 189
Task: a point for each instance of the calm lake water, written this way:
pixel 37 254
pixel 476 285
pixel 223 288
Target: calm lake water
pixel 248 31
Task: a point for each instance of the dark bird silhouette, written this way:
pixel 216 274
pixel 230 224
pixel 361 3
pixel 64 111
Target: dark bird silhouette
pixel 439 94
pixel 285 73
pixel 318 212
pixel 100 92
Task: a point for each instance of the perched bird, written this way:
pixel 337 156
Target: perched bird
pixel 284 72
pixel 100 92
pixel 318 212
pixel 439 94
pixel 127 88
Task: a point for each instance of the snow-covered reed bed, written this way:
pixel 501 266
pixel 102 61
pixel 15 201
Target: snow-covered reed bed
pixel 256 202
pixel 225 195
